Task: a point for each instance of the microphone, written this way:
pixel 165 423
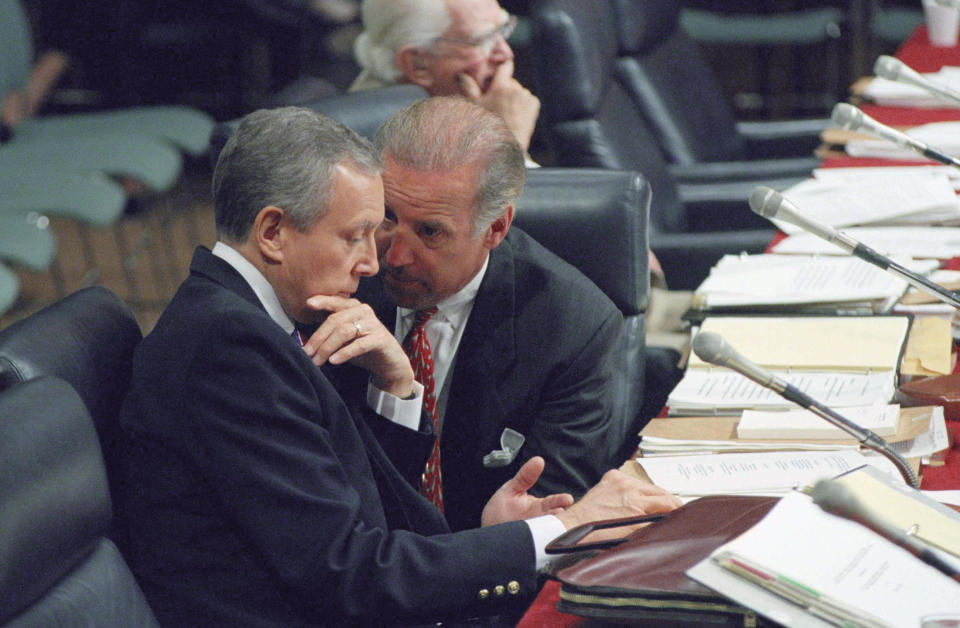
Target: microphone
pixel 769 203
pixel 894 69
pixel 835 498
pixel 712 348
pixel 849 117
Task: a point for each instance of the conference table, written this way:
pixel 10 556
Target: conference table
pixel 918 53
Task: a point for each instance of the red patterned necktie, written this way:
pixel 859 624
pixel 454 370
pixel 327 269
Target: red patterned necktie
pixel 417 348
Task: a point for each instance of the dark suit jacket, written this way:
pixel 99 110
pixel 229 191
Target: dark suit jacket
pixel 254 497
pixel 535 357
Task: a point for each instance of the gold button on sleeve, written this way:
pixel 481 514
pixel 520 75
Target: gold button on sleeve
pixel 483 594
pixel 513 587
pixel 499 590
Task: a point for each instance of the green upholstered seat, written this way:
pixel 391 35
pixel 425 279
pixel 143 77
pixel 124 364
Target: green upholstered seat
pixel 92 198
pixel 9 288
pixel 186 128
pixel 26 239
pixel 800 27
pixel 151 161
pixel 895 24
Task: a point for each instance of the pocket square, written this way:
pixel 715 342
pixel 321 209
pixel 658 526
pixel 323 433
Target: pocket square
pixel 510 443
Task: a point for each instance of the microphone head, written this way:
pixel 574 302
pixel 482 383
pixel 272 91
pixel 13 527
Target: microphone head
pixel 836 499
pixel 846 116
pixel 711 348
pixel 765 201
pixel 888 67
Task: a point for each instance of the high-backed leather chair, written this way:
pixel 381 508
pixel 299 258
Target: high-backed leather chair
pixel 57 568
pixel 597 221
pixel 87 339
pixel 677 94
pixel 362 111
pixel 590 121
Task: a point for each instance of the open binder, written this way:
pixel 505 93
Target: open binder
pixel 841 361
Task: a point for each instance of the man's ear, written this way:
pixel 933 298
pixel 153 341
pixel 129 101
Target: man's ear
pixel 414 65
pixel 498 229
pixel 269 231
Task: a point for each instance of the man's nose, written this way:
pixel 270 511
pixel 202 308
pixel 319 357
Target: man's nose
pixel 369 265
pixel 502 51
pixel 395 250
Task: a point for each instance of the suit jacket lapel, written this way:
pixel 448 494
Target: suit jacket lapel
pixel 487 350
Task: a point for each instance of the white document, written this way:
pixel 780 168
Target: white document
pixel 767 473
pixel 944 497
pixel 866 174
pixel 838 561
pixel 930 442
pixel 800 423
pixel 896 94
pixel 903 241
pixel 659 446
pixel 902 197
pixel 756 280
pixel 943 136
pixel 704 391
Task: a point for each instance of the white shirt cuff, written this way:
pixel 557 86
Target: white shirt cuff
pixel 405 412
pixel 544 529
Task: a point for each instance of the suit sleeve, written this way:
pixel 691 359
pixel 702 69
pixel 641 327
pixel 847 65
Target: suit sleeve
pixel 573 426
pixel 273 442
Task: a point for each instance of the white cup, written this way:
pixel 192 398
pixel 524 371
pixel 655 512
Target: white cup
pixel 943 23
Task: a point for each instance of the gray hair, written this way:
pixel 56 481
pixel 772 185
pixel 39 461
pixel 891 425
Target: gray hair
pixel 441 134
pixel 286 158
pixel 389 25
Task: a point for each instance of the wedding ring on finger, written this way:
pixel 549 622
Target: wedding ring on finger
pixel 356 325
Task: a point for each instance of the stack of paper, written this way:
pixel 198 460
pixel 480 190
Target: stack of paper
pixel 802 567
pixel 915 242
pixel 798 283
pixel 920 433
pixel 841 361
pixel 800 424
pixel 763 473
pixel 896 94
pixel 944 136
pixel 904 197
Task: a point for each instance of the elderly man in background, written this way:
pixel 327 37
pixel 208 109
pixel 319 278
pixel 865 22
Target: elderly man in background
pixel 449 48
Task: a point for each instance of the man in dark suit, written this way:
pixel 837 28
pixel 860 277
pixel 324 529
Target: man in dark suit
pixel 525 340
pixel 253 493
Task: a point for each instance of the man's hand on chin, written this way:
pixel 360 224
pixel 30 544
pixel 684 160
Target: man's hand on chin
pixel 507 98
pixel 352 333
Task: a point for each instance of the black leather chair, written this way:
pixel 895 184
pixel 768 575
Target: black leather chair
pixel 57 568
pixel 87 339
pixel 591 122
pixel 597 221
pixel 677 94
pixel 362 111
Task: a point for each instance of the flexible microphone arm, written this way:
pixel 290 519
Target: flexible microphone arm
pixel 894 69
pixel 849 117
pixel 835 498
pixel 769 203
pixel 712 348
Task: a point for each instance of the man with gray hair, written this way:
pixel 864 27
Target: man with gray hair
pixel 253 493
pixel 449 48
pixel 521 343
